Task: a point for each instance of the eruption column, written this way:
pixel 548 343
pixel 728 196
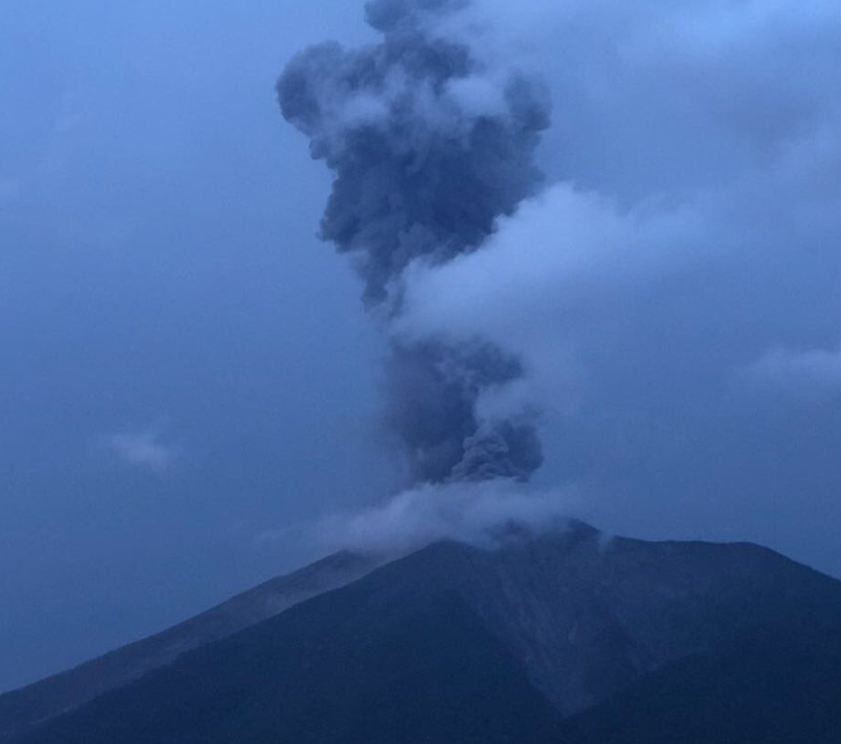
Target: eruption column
pixel 428 146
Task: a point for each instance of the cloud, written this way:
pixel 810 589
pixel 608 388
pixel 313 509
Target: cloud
pixel 693 223
pixel 477 513
pixel 428 148
pixel 815 373
pixel 142 451
pixel 562 255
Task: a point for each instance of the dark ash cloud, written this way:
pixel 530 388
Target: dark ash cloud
pixel 429 147
pixel 433 395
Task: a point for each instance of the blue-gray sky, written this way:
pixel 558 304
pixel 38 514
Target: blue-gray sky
pixel 186 373
pixel 183 364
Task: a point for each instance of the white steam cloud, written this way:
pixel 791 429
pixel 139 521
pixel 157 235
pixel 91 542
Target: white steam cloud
pixel 480 514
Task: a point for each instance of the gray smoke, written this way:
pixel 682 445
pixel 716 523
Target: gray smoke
pixel 429 148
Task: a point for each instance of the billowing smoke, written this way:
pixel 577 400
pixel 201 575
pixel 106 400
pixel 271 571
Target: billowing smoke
pixel 679 311
pixel 429 147
pixel 670 303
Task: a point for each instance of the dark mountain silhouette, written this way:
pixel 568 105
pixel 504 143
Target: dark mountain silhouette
pixel 22 709
pixel 559 638
pixel 778 684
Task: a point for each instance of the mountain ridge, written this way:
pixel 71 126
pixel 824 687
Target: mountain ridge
pixel 47 698
pixel 557 624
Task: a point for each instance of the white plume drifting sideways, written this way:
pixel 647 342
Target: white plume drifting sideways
pixel 542 284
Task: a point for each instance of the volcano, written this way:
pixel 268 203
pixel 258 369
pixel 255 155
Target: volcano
pixel 564 637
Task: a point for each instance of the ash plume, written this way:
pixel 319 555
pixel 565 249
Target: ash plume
pixel 429 146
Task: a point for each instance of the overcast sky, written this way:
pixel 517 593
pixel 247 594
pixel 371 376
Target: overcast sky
pixel 183 365
pixel 186 373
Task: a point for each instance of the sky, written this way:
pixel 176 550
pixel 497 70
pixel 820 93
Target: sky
pixel 188 377
pixel 183 364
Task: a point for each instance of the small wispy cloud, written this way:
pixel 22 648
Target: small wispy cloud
pixel 812 373
pixel 144 450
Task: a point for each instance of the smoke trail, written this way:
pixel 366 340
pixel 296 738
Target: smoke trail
pixel 428 147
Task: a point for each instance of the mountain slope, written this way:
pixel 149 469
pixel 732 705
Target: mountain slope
pixel 457 644
pixel 375 663
pixel 778 685
pixel 22 709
